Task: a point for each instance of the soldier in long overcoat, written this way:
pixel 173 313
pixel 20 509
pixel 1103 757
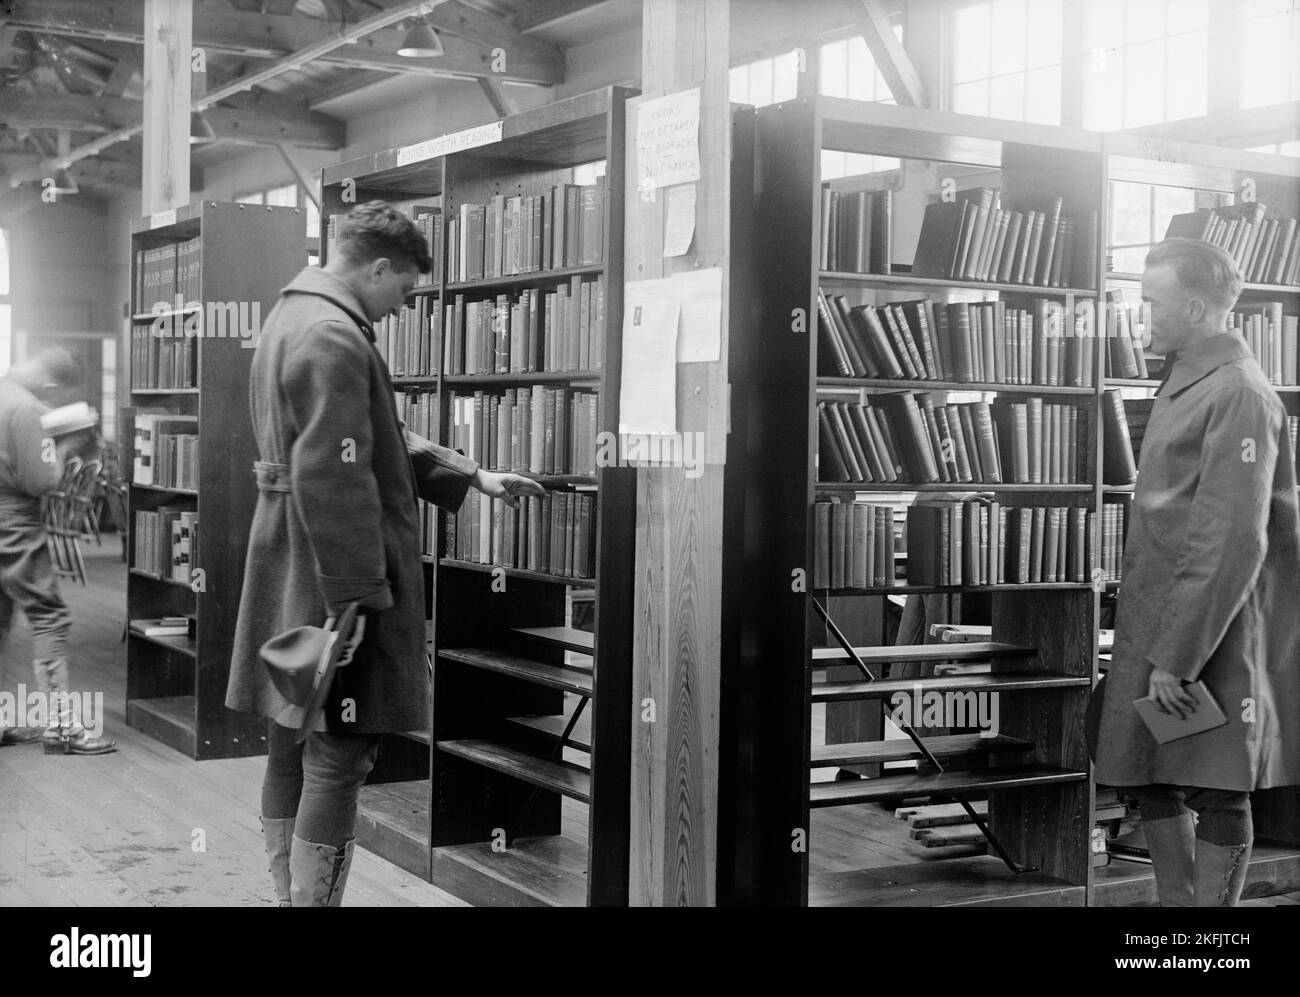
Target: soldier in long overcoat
pixel 336 522
pixel 1211 566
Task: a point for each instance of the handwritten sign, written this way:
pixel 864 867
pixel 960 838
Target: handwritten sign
pixel 668 140
pixel 160 218
pixel 454 142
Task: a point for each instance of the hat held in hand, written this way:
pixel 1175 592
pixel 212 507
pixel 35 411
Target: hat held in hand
pixel 302 662
pixel 69 419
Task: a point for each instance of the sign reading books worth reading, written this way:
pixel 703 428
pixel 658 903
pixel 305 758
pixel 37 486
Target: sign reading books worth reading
pixel 470 138
pixel 668 140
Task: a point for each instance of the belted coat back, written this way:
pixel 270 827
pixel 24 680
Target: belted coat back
pixel 1211 574
pixel 336 517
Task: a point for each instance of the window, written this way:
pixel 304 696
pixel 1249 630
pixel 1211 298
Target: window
pixel 848 69
pixel 5 314
pixel 766 81
pixel 1278 149
pixel 1270 39
pixel 1146 61
pixel 1139 218
pixel 287 197
pixel 1005 60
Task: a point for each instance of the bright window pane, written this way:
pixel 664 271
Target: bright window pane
pixel 972 43
pixel 834 73
pixel 1144 20
pixel 1130 260
pixel 1187 78
pixel 1043 96
pixel 760 82
pixel 1170 201
pixel 285 197
pixel 1130 213
pixel 313 217
pixel 971 98
pixel 1144 72
pixel 833 164
pixel 1007 97
pixel 862 70
pixel 785 77
pixel 1266 76
pixel 738 84
pixel 5 345
pixel 4 261
pixel 1043 32
pixel 1188 15
pixel 1105 23
pixel 1008 37
pixel 250 198
pixel 1104 107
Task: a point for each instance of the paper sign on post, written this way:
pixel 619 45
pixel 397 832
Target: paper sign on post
pixel 699 293
pixel 668 140
pixel 648 396
pixel 679 220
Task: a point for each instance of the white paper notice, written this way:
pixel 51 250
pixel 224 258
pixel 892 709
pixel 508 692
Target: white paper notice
pixel 679 220
pixel 648 397
pixel 699 292
pixel 668 140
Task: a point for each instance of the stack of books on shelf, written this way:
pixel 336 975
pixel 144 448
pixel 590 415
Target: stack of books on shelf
pixel 912 437
pixel 165 626
pixel 985 341
pixel 163 358
pixel 536 430
pixel 855 230
pixel 163 272
pixel 1271 337
pixel 166 450
pixel 166 542
pixel 528 332
pixel 526 233
pixel 1124 355
pixel 554 533
pixel 972 542
pixel 972 237
pixel 406 340
pixel 1266 250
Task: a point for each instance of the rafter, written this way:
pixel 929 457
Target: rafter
pixel 268 36
pixel 891 58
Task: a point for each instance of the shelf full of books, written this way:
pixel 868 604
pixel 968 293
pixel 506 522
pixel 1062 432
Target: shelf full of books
pixel 507 354
pixel 199 296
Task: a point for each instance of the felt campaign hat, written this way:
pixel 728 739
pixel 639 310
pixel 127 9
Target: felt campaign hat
pixel 302 662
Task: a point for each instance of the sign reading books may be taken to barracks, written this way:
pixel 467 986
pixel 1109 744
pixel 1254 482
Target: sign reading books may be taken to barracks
pixel 455 142
pixel 668 140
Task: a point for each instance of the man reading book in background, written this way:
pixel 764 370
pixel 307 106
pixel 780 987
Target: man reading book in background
pixel 1210 568
pixel 337 523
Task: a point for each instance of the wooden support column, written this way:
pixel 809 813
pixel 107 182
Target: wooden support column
pixel 679 524
pixel 168 31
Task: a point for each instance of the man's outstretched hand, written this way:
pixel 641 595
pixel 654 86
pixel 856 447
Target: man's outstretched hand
pixel 510 487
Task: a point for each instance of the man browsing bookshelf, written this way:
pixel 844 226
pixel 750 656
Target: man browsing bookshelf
pixel 1209 568
pixel 337 524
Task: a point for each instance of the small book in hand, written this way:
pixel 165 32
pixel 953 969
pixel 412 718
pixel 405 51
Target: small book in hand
pixel 1166 727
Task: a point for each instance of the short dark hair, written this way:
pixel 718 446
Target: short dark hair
pixel 61 366
pixel 1201 268
pixel 376 229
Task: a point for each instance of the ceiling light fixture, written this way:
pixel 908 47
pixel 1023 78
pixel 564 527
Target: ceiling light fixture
pixel 421 42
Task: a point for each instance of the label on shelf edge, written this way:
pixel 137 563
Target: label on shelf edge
pixel 469 138
pixel 160 218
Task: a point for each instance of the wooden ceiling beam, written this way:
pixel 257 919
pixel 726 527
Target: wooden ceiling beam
pixel 891 58
pixel 268 36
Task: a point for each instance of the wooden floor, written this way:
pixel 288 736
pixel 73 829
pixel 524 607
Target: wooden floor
pixel 145 826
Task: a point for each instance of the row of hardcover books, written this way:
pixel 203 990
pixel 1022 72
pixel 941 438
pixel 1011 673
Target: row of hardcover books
pixel 554 533
pixel 166 450
pixel 972 542
pixel 1272 338
pixel 972 237
pixel 912 437
pixel 856 230
pixel 537 430
pixel 163 362
pixel 564 227
pixel 419 410
pixel 532 331
pixel 162 272
pixel 167 542
pixel 1265 250
pixel 406 339
pixel 983 341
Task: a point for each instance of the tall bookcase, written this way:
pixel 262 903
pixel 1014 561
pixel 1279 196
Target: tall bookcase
pixel 203 278
pixel 1149 182
pixel 1041 663
pixel 518 794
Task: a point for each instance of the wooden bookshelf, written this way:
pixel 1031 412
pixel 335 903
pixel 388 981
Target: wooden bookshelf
pixel 176 687
pixel 489 766
pixel 1040 804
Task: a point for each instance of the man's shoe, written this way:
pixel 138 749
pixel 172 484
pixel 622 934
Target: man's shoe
pixel 78 744
pixel 20 735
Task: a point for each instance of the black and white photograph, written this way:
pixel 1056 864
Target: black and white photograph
pixel 651 453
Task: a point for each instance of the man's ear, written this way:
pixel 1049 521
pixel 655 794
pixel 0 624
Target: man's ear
pixel 379 266
pixel 1196 310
